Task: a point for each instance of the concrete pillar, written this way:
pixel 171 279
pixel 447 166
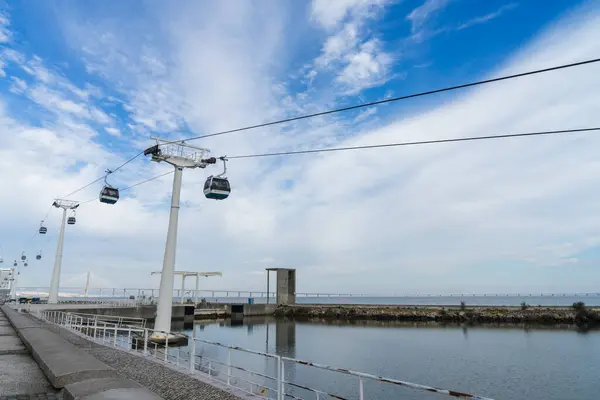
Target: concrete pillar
pixel 286 286
pixel 55 282
pixel 267 286
pixel 165 300
pixel 182 288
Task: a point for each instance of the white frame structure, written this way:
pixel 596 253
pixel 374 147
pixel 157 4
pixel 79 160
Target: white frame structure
pixel 185 274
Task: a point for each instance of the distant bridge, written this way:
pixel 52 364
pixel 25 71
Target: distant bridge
pixel 222 293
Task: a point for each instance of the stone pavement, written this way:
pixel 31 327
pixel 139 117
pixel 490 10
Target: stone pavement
pixel 20 376
pixel 162 380
pixel 39 396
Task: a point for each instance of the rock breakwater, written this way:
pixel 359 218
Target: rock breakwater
pixel 543 315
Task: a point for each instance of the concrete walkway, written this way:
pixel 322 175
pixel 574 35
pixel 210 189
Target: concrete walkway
pixel 20 376
pixel 87 370
pixel 164 381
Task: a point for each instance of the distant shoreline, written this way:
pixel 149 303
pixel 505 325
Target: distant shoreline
pixel 466 314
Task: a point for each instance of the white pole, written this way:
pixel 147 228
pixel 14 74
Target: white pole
pixel 87 284
pixel 267 286
pixel 165 295
pixel 193 354
pixel 182 288
pixel 53 293
pixel 15 282
pixel 196 292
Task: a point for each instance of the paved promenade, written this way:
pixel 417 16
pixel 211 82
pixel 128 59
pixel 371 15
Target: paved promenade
pixel 82 367
pixel 162 380
pixel 20 376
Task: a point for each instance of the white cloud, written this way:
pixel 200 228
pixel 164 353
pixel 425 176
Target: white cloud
pixel 338 45
pixel 113 131
pixel 351 52
pixel 18 86
pixel 5 34
pixel 367 68
pixel 54 101
pixel 36 68
pixel 59 103
pixel 331 13
pixel 416 218
pixel 11 55
pixel 487 17
pixel 422 14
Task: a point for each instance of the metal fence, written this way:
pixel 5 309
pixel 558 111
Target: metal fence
pixel 229 365
pixel 121 322
pixel 150 293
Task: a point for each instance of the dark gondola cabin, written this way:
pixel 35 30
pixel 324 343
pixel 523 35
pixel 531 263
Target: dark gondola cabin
pixel 71 220
pixel 216 188
pixel 109 195
pixel 43 230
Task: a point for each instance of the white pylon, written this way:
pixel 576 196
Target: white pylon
pixel 55 282
pixel 87 284
pixel 180 156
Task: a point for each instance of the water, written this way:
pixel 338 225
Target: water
pixel 501 362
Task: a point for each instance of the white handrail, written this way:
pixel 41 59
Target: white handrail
pixel 127 338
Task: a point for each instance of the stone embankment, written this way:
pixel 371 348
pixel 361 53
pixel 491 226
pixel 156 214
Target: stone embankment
pixel 542 315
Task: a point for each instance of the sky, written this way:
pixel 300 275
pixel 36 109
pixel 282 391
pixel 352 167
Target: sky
pixel 85 85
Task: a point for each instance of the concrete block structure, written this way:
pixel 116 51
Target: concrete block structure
pixel 285 292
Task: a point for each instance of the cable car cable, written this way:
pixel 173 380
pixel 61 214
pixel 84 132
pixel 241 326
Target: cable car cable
pixel 131 186
pixel 83 187
pixel 147 180
pixel 363 105
pixel 104 176
pixel 423 142
pixel 394 99
pixel 383 145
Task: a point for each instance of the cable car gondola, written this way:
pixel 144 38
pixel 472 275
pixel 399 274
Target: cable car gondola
pixel 39 256
pixel 109 194
pixel 71 220
pixel 217 187
pixel 15 264
pixel 23 256
pixel 43 230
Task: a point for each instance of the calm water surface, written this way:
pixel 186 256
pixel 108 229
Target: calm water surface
pixel 508 362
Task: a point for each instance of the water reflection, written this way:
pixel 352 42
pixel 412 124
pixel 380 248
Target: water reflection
pixel 533 361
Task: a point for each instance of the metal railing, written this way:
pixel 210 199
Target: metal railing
pixel 78 293
pixel 228 365
pixel 121 322
pixel 84 303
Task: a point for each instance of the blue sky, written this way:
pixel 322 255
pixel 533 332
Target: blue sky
pixel 84 86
